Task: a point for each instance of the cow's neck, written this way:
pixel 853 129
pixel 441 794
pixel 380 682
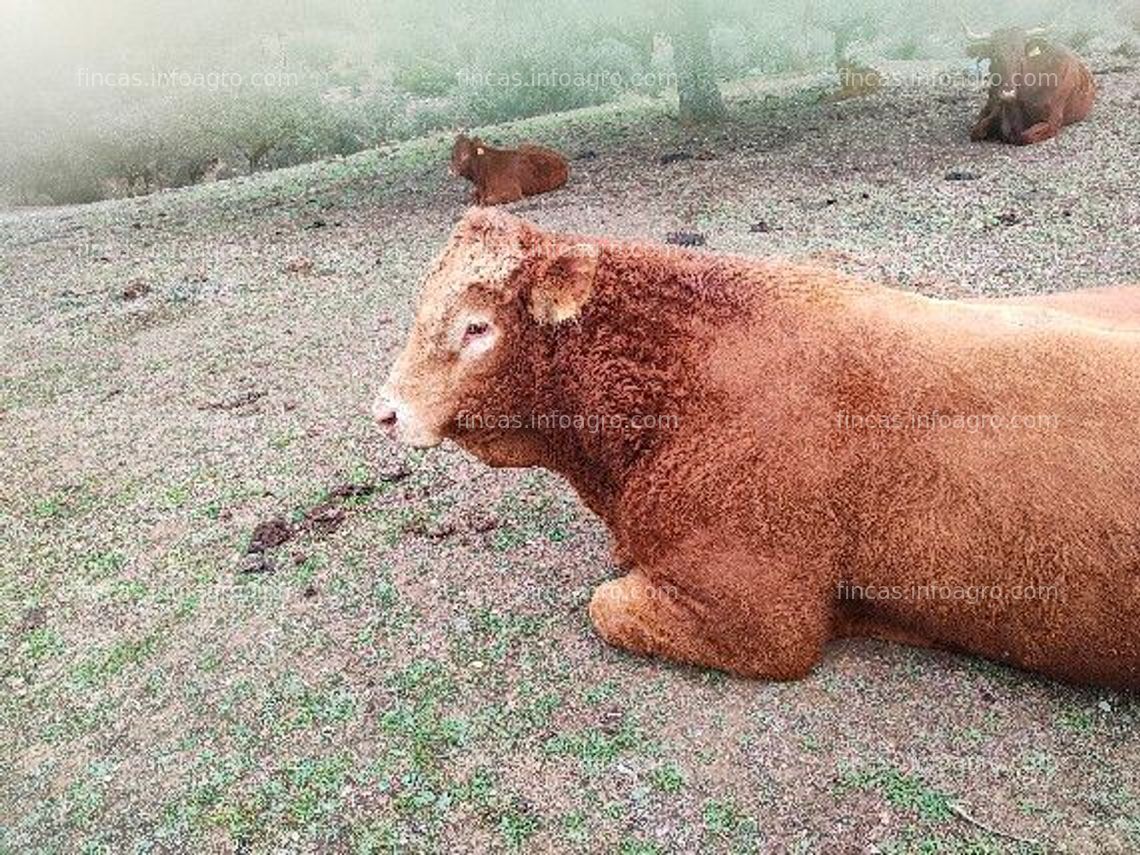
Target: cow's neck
pixel 611 383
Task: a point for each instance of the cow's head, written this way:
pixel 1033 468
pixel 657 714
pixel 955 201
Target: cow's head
pixel 1013 54
pixel 487 307
pixel 463 154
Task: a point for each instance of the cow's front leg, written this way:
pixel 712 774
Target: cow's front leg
pixel 502 195
pixel 776 635
pixel 1039 133
pixel 1044 130
pixel 983 128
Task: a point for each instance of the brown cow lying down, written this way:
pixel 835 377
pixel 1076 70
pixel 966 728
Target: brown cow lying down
pixel 1036 86
pixel 786 457
pixel 506 175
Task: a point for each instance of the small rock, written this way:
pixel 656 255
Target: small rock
pixel 136 289
pixel 1009 218
pixel 674 157
pixel 351 491
pixel 299 265
pixel 243 401
pixel 434 530
pixel 309 592
pixel 393 472
pixel 961 175
pixel 325 518
pixel 483 523
pixel 256 564
pixel 32 619
pixel 588 154
pixel 760 227
pixel 685 238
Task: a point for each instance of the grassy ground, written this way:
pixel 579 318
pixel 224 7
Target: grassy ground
pixel 414 670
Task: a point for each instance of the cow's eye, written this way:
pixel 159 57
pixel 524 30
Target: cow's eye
pixel 476 329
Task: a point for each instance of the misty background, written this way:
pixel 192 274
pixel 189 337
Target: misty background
pixel 109 98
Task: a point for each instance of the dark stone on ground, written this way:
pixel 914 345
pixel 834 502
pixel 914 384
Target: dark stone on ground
pixel 685 238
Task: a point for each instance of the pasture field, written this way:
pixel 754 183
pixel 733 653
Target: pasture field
pixel 184 381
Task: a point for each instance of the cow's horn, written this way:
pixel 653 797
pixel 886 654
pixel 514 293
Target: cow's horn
pixel 1038 32
pixel 970 34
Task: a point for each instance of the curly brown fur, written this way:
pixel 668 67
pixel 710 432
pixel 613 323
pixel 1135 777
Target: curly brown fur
pixel 751 516
pixel 506 175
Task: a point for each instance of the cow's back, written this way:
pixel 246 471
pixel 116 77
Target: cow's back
pixel 1115 308
pixel 1016 469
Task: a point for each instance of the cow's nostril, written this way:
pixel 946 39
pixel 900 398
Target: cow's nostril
pixel 384 413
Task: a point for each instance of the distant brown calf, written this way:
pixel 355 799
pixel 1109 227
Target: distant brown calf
pixel 786 456
pixel 506 175
pixel 1036 86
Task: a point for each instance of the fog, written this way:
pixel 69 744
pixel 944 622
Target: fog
pixel 106 98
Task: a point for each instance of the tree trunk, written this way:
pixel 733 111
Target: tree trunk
pixel 697 93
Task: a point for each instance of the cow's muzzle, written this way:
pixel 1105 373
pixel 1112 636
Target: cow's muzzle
pixel 400 423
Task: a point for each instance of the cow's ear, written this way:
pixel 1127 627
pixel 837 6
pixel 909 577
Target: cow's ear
pixel 563 284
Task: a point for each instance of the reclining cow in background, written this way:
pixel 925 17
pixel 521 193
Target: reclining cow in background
pixel 505 174
pixel 1036 86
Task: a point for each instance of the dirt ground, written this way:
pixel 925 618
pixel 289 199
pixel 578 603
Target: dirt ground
pixel 234 618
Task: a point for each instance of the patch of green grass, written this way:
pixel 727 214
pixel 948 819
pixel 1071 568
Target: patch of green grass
pixel 898 788
pixel 303 795
pixel 667 778
pixel 377 838
pixel 596 748
pixel 421 732
pixel 291 704
pixel 176 497
pixel 102 565
pixel 1076 720
pixel 303 574
pixel 636 846
pixel 517 825
pixel 104 665
pixel 315 785
pixel 601 692
pixel 532 512
pixel 61 503
pixel 575 828
pixel 494 634
pixel 42 643
pixel 723 820
pixel 1041 763
pixel 128 591
pixel 84 800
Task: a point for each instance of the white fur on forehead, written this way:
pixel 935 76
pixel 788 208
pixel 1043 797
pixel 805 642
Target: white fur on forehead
pixel 478 262
pixel 485 247
pixel 490 222
pixel 490 244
